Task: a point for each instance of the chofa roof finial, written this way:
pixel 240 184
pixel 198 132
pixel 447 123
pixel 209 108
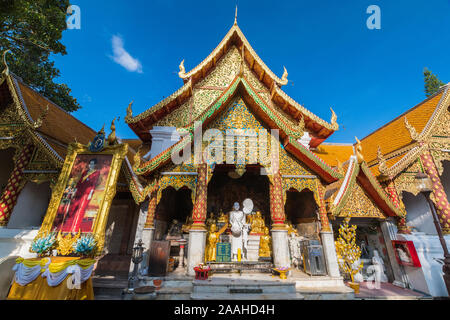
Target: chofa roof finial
pixel 6 70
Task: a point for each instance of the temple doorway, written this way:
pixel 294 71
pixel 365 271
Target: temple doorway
pixel 301 211
pixel 227 187
pixel 172 220
pixel 370 239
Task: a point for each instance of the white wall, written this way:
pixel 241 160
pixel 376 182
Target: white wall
pixel 161 140
pixel 428 278
pixel 31 206
pixel 418 213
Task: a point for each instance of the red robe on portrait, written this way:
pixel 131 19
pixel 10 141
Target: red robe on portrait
pixel 78 206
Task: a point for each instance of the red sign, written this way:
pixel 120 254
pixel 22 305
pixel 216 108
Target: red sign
pixel 406 254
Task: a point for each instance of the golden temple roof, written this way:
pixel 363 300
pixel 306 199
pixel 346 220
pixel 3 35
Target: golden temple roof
pixel 144 121
pixel 332 153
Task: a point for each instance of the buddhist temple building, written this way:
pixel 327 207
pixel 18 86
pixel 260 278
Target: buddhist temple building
pixel 231 173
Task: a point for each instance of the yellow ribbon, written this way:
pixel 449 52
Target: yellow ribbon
pixel 56 267
pixel 32 263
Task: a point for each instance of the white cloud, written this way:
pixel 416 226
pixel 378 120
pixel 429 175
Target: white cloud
pixel 122 57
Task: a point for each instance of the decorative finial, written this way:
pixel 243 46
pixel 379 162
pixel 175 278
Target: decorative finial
pixel 112 136
pixel 285 75
pixel 103 130
pixel 333 117
pixel 235 16
pixel 182 72
pixel 412 131
pixel 340 167
pixel 6 70
pixel 137 158
pixel 129 111
pixel 38 123
pixel 359 154
pixel 382 167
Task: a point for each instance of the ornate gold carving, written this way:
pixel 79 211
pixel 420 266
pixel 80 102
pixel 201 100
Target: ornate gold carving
pixel 65 243
pixel 439 156
pixel 360 205
pixel 412 131
pixel 38 123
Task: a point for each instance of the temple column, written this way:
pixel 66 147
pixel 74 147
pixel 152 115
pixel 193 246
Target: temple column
pixel 393 195
pixel 440 198
pixel 280 246
pixel 197 232
pixel 326 234
pixel 15 184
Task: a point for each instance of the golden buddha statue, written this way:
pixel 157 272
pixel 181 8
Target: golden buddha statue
pixel 257 224
pixel 187 225
pixel 211 219
pixel 223 218
pixel 265 244
pixel 291 229
pixel 211 241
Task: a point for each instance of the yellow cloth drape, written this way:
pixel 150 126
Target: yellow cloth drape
pixel 40 290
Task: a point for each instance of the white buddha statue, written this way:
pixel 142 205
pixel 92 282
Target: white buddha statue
pixel 237 221
pixel 377 270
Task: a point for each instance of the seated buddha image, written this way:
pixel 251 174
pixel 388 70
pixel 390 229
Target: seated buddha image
pixel 257 224
pixel 223 218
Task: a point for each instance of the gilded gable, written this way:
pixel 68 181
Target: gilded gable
pixel 360 205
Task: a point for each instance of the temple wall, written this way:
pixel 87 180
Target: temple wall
pixel 418 213
pixel 31 206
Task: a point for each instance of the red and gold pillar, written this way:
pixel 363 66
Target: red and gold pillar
pixel 440 198
pixel 152 203
pixel 393 195
pixel 15 184
pixel 199 210
pixel 324 222
pixel 276 202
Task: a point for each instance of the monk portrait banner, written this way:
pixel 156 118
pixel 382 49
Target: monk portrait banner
pixel 83 194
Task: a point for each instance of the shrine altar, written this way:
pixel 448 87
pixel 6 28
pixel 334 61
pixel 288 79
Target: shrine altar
pixel 52 278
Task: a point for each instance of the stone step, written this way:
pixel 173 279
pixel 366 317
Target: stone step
pixel 240 296
pixel 238 286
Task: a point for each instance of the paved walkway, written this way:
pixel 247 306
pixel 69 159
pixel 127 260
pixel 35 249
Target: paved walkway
pixel 387 291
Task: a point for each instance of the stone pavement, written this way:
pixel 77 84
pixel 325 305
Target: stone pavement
pixel 388 291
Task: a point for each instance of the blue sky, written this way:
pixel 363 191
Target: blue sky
pixel 130 50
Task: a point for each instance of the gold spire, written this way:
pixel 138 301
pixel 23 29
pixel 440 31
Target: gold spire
pixel 103 129
pixel 412 131
pixel 6 70
pixel 358 149
pixel 235 16
pixel 112 136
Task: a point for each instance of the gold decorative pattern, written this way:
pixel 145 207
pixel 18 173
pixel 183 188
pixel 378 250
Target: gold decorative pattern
pixel 360 206
pixel 65 243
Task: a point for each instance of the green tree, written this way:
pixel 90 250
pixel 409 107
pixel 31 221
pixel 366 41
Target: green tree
pixel 32 30
pixel 432 83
